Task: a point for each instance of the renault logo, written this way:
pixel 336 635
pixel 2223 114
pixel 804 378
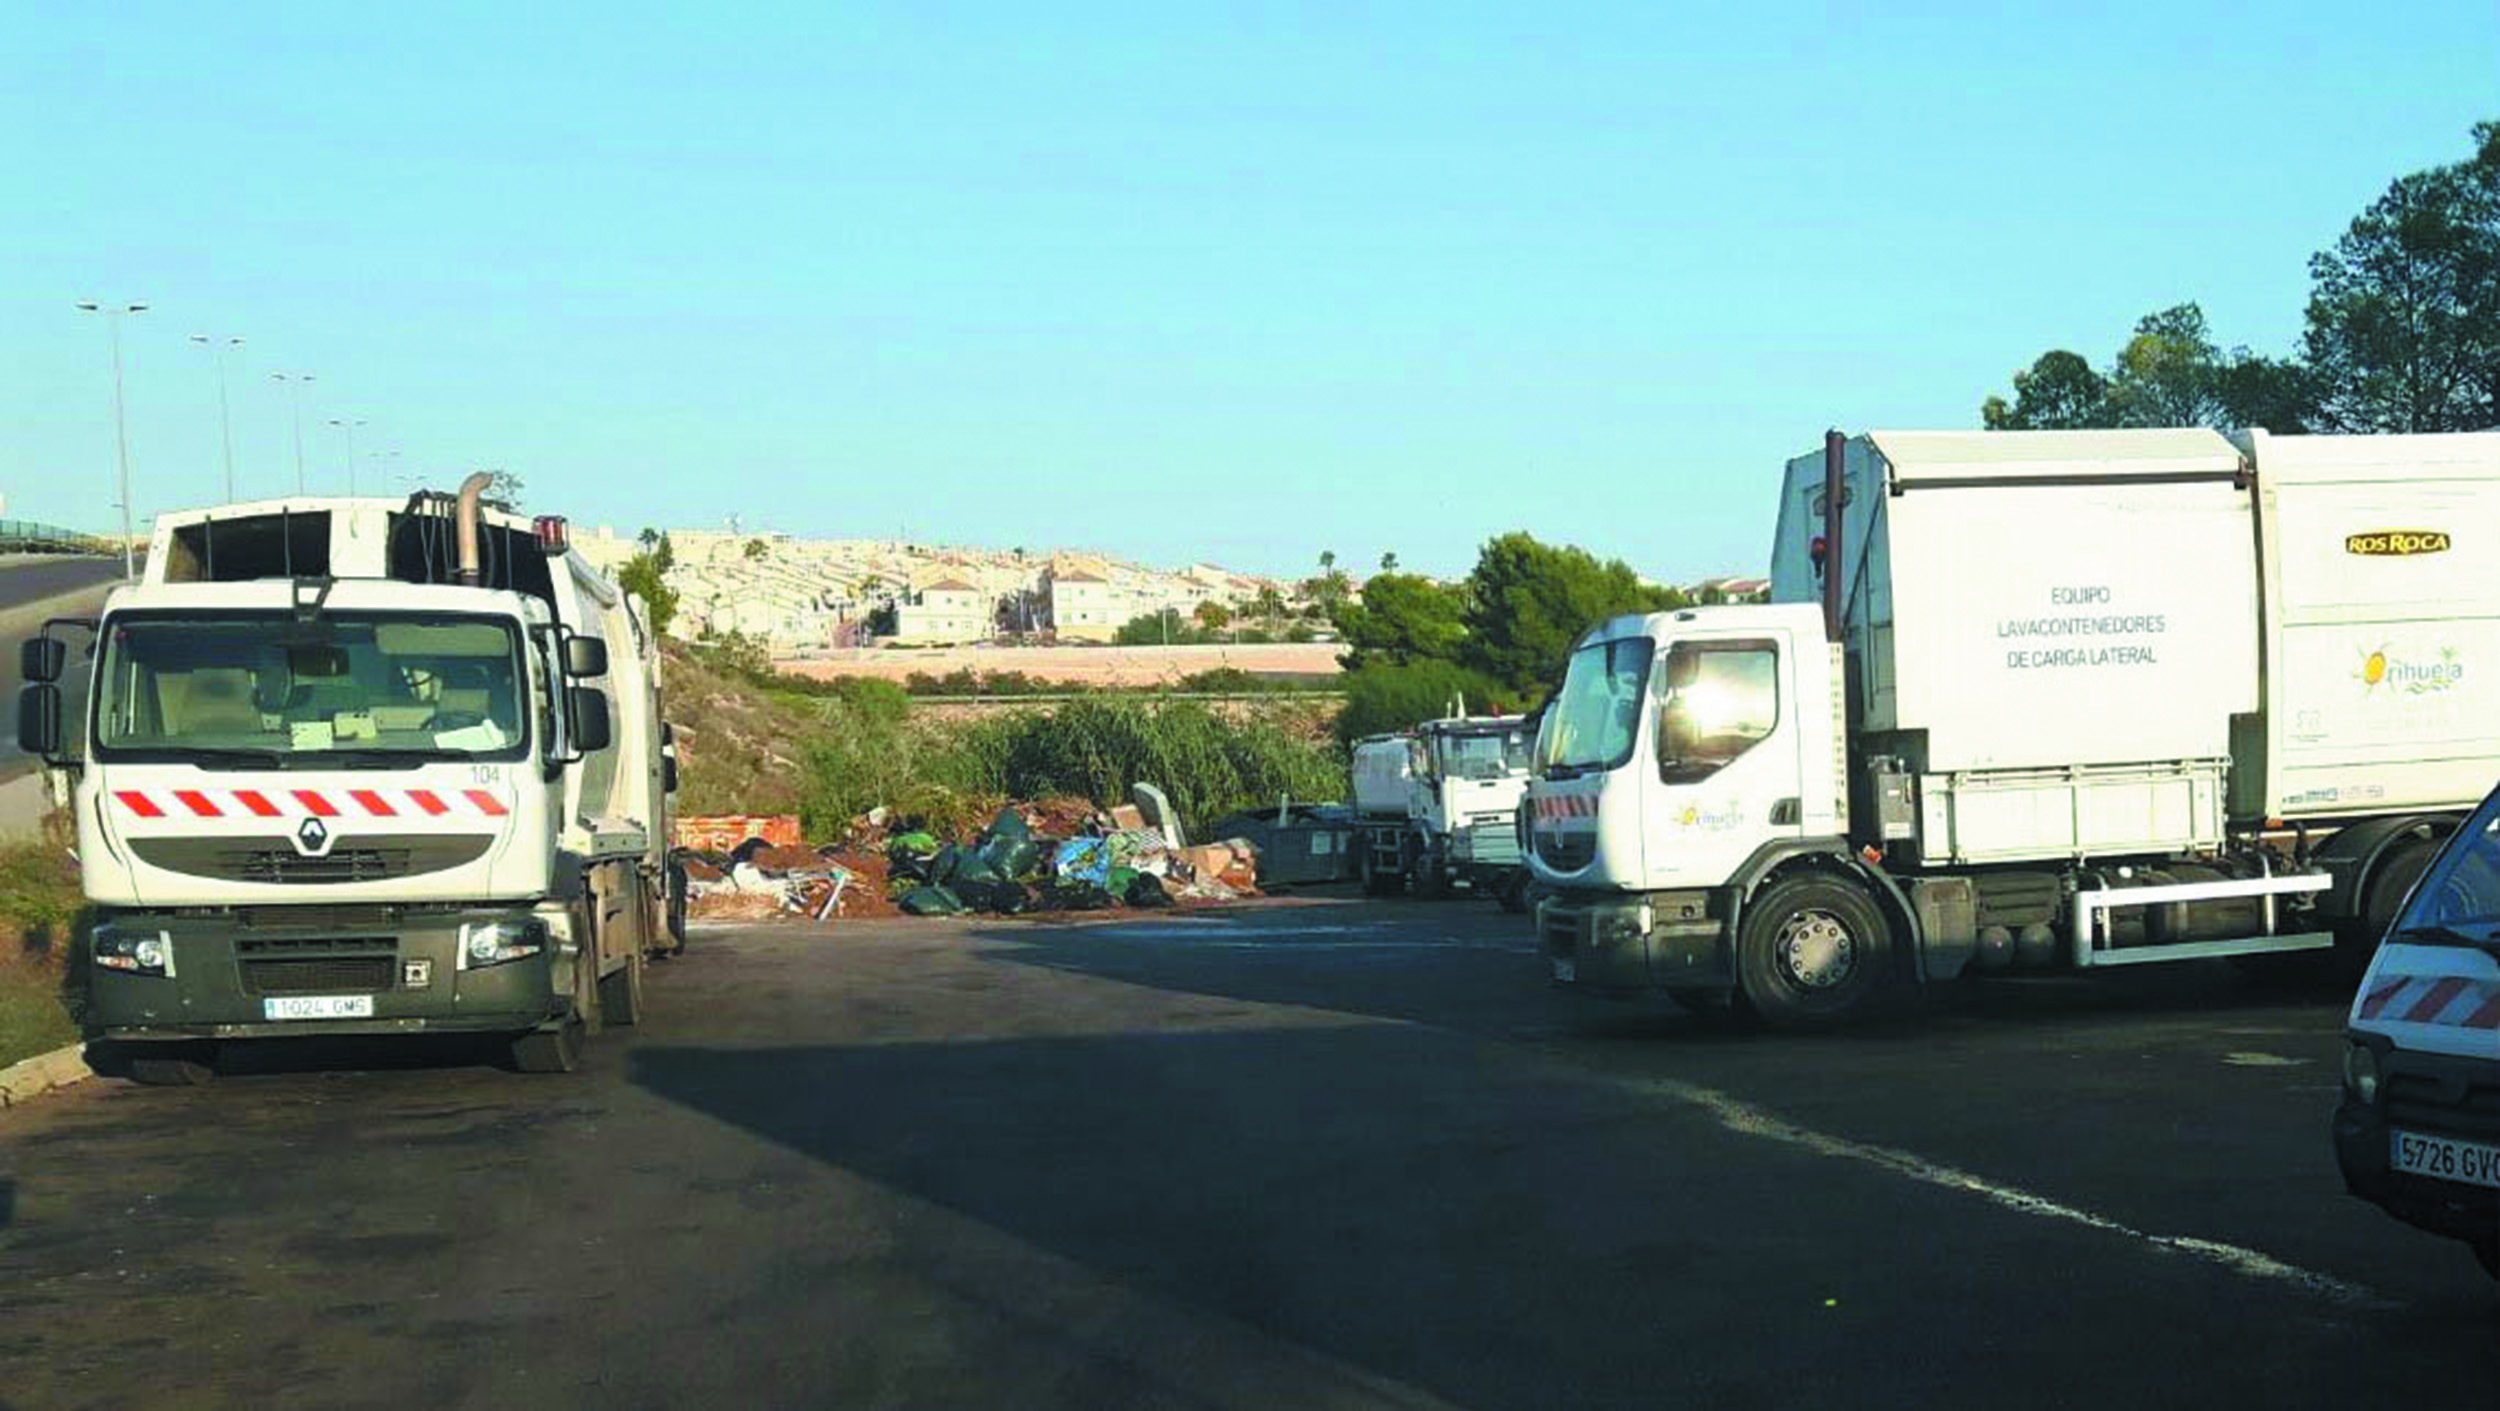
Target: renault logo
pixel 313 838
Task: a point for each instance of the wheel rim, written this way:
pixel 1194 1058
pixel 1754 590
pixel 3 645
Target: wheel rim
pixel 1816 950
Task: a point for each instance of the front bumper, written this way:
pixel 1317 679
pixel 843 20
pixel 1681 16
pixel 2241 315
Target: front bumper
pixel 228 964
pixel 2433 1095
pixel 1624 942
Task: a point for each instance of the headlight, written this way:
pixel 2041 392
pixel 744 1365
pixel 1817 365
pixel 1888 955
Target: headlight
pixel 2361 1071
pixel 134 952
pixel 484 943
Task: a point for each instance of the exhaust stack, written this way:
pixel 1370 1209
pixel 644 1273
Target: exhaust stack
pixel 1834 445
pixel 465 520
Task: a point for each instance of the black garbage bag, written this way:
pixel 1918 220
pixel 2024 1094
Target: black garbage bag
pixel 932 901
pixel 940 869
pixel 1065 894
pixel 747 849
pixel 974 867
pixel 1146 890
pixel 1004 898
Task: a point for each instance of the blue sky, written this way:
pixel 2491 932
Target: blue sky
pixel 1180 282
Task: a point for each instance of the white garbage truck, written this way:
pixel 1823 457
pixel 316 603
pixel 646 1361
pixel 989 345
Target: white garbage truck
pixel 1437 806
pixel 2031 701
pixel 359 767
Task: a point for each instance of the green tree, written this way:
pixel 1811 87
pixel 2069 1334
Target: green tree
pixel 2279 394
pixel 645 575
pixel 755 548
pixel 1402 617
pixel 2404 312
pixel 2058 392
pixel 1389 562
pixel 2166 373
pixel 1529 601
pixel 1213 616
pixel 1383 696
pixel 1269 605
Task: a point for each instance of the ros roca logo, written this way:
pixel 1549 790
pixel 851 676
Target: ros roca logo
pixel 2397 543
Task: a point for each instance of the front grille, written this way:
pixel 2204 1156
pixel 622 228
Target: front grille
pixel 285 947
pixel 371 858
pixel 1494 844
pixel 2453 1105
pixel 1565 852
pixel 352 974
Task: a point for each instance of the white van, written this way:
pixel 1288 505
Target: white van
pixel 2418 1131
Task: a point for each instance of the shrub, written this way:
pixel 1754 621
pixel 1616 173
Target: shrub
pixel 1381 698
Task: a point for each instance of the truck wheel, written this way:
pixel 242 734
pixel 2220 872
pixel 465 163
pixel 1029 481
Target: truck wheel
pixel 557 1050
pixel 1376 882
pixel 1513 893
pixel 1432 878
pixel 620 993
pixel 1811 952
pixel 2395 875
pixel 185 1071
pixel 677 905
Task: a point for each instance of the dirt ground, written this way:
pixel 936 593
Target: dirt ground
pixel 1100 666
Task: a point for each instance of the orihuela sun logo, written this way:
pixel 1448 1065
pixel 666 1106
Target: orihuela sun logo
pixel 2397 543
pixel 2396 674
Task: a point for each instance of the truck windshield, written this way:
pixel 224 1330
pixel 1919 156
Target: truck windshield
pixel 1484 756
pixel 262 687
pixel 1595 718
pixel 2461 893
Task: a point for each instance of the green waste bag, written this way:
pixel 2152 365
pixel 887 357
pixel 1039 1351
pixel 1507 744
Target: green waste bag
pixel 933 901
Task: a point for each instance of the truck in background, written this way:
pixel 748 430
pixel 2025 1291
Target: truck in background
pixel 2418 1131
pixel 341 774
pixel 2033 700
pixel 1437 806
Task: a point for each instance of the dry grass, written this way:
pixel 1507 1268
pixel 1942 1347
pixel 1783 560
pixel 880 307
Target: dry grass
pixel 39 906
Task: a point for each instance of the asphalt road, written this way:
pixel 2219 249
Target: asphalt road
pixel 1332 1153
pixel 66 587
pixel 25 580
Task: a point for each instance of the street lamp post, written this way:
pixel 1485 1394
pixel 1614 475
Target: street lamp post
pixel 349 425
pixel 217 351
pixel 295 391
pixel 113 316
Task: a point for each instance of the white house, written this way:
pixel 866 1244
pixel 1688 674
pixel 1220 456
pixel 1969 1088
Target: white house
pixel 1082 606
pixel 949 610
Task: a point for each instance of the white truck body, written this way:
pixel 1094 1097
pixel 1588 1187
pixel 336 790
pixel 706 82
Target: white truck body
pixel 317 768
pixel 2070 663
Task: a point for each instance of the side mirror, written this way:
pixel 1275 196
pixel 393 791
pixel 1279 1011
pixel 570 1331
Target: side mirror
pixel 585 656
pixel 41 658
pixel 592 730
pixel 39 719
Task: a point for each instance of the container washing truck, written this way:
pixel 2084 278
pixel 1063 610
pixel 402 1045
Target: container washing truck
pixel 342 771
pixel 1438 805
pixel 2030 701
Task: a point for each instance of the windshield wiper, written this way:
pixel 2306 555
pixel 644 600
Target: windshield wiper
pixel 207 757
pixel 2450 936
pixel 386 759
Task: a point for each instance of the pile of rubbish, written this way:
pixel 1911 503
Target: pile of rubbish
pixel 1052 856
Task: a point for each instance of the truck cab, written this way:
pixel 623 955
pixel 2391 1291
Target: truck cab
pixel 377 794
pixel 1437 807
pixel 2418 1130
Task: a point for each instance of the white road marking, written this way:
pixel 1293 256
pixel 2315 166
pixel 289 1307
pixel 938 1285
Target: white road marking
pixel 1746 1119
pixel 2262 1060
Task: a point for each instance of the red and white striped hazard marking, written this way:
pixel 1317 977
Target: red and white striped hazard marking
pixel 1567 806
pixel 319 803
pixel 2447 1000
